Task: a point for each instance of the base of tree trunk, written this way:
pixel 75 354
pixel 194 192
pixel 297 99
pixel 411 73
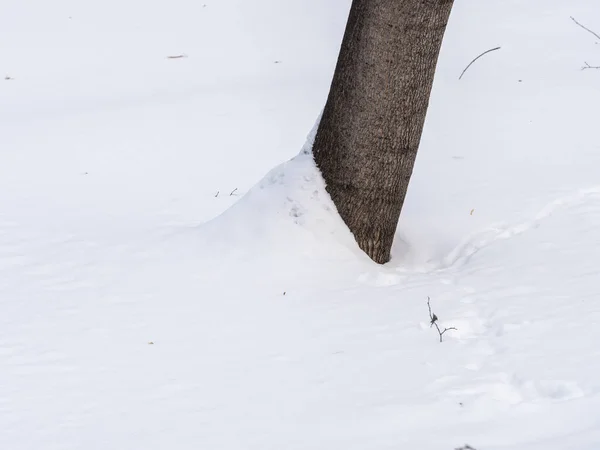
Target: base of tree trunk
pixel 368 137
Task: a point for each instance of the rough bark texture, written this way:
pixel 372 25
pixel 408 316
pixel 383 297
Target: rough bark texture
pixel 369 134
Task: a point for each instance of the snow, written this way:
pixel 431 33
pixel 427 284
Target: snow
pixel 157 290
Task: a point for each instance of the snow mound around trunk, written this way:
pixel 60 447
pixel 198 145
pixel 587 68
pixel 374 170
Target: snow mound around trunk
pixel 288 210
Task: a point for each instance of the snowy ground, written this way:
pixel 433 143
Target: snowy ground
pixel 134 315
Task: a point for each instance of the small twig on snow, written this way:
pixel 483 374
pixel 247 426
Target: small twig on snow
pixel 183 55
pixel 587 66
pixel 585 28
pixel 487 51
pixel 466 447
pixel 233 192
pixel 434 321
pixel 217 194
pixel 432 316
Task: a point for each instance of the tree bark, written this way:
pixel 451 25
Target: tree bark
pixel 369 134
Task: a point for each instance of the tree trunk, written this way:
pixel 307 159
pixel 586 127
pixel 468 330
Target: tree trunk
pixel 367 140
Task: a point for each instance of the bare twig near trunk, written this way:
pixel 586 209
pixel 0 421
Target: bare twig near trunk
pixel 585 28
pixel 471 63
pixel 371 126
pixel 434 321
pixel 587 66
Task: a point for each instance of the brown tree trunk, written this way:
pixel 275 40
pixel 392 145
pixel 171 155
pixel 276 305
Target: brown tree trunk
pixel 369 134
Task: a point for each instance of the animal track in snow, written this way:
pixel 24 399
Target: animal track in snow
pixel 476 242
pixel 513 390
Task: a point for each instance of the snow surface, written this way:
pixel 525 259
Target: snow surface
pixel 139 311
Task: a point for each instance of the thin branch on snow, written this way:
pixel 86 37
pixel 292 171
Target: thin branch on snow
pixel 233 192
pixel 434 321
pixel 466 447
pixel 471 63
pixel 585 28
pixel 432 316
pixel 587 66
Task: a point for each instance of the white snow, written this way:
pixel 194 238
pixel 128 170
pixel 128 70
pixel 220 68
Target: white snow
pixel 156 292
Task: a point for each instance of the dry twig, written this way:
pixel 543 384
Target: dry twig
pixel 471 63
pixel 585 28
pixel 434 321
pixel 587 66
